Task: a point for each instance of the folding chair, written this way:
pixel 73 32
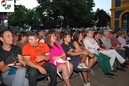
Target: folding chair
pixel 95 67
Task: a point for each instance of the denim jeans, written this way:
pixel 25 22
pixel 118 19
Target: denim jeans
pixel 33 74
pixel 75 61
pixel 17 79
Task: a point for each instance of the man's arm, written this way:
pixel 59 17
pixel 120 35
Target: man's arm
pixel 44 57
pixel 30 63
pixel 36 66
pixel 21 60
pixel 74 53
pixel 3 67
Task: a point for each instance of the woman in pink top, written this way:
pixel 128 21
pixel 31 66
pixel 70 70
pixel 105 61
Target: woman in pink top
pixel 58 57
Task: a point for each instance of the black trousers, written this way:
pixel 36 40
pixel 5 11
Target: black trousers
pixel 127 52
pixel 33 74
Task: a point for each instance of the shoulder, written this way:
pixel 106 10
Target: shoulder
pixel 103 38
pixel 86 39
pixel 63 44
pixel 58 44
pixel 120 37
pixel 42 44
pixel 15 47
pixel 26 46
pixel 75 43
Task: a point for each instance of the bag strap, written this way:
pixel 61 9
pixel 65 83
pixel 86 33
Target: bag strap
pixel 63 61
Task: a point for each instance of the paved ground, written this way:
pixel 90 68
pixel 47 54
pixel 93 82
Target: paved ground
pixel 98 79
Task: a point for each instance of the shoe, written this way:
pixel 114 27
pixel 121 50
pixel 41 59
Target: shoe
pixel 88 84
pixel 82 67
pixel 121 69
pixel 126 62
pixel 111 75
pixel 124 65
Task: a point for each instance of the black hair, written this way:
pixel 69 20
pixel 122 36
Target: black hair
pixel 65 34
pixel 96 33
pixel 21 34
pixel 35 34
pixel 2 32
pixel 76 35
pixel 48 38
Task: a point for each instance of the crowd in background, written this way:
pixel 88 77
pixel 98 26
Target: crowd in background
pixel 60 53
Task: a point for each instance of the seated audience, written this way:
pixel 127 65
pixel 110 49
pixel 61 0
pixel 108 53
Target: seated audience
pixel 11 62
pixel 79 46
pixel 92 46
pixel 36 55
pixel 58 57
pixel 122 40
pixel 75 56
pixel 97 37
pixel 106 41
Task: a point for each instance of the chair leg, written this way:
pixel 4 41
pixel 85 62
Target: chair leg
pixel 48 79
pixel 92 72
pixel 95 66
pixel 81 75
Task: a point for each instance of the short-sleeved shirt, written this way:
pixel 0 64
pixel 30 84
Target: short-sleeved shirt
pixel 91 44
pixel 75 60
pixel 15 50
pixel 67 48
pixel 106 42
pixel 56 50
pixel 34 51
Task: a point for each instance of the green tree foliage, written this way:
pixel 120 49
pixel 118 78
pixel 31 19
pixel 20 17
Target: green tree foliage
pixel 75 13
pixel 102 18
pixel 54 13
pixel 18 17
pixel 32 18
pixel 23 16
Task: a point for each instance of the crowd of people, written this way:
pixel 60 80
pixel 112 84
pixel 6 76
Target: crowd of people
pixel 23 57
